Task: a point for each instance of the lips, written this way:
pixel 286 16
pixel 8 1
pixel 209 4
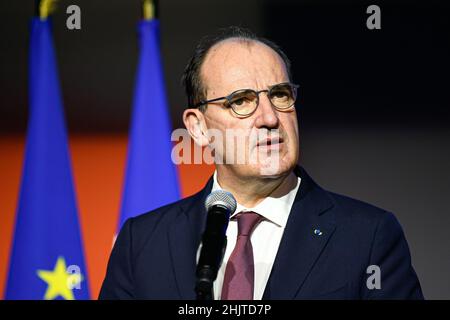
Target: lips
pixel 269 142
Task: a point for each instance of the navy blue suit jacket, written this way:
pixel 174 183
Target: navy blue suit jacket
pixel 154 256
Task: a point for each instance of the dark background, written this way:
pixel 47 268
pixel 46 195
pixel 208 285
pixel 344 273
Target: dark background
pixel 374 104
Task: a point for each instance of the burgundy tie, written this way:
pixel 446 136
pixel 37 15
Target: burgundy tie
pixel 239 272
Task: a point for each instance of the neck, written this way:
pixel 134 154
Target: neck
pixel 250 191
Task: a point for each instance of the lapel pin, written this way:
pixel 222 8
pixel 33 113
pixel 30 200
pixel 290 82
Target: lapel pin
pixel 317 232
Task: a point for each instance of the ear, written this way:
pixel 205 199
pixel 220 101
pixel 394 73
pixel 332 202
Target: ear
pixel 194 121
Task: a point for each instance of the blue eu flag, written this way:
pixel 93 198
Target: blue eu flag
pixel 151 177
pixel 47 256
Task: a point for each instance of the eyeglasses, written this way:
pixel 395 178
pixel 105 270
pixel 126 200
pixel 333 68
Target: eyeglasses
pixel 245 101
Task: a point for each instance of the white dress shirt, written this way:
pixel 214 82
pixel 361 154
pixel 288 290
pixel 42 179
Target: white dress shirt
pixel 265 238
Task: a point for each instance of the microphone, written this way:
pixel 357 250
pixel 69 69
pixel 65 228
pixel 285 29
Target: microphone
pixel 219 206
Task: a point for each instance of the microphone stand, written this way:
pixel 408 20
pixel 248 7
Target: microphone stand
pixel 206 274
pixel 204 284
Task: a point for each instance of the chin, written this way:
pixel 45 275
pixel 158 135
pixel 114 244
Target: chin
pixel 271 169
pixel 276 166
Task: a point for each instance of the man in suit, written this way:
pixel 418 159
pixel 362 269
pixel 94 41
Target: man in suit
pixel 288 237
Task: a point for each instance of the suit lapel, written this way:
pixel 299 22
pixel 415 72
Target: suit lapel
pixel 307 232
pixel 184 238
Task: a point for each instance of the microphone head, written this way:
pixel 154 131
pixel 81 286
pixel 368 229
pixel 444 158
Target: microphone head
pixel 221 198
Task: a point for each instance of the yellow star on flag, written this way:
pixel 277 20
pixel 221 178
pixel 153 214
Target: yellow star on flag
pixel 59 281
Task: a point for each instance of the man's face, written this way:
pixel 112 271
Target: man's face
pixel 233 65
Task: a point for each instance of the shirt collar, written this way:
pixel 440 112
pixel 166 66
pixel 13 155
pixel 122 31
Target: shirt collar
pixel 276 207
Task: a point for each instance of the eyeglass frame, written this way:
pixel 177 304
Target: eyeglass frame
pixel 228 97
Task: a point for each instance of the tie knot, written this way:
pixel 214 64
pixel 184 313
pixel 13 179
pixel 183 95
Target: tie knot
pixel 247 221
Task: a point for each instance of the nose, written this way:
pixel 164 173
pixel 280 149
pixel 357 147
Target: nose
pixel 267 116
